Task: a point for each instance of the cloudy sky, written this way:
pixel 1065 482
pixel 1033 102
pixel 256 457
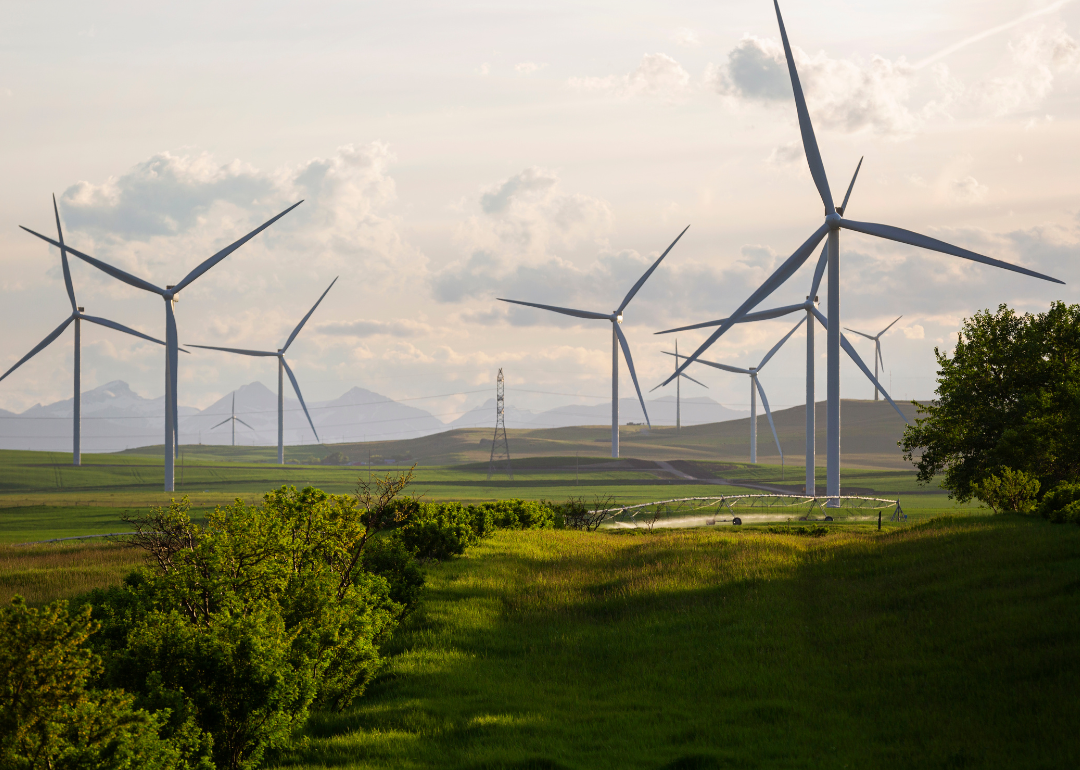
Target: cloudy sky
pixel 452 153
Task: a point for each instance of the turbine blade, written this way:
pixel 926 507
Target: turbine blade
pixel 64 259
pixel 243 423
pixel 209 263
pixel 781 274
pixel 120 328
pixel 854 356
pixel 238 351
pixel 300 325
pixel 104 267
pixel 227 419
pixel 641 281
pixel 889 326
pixel 861 334
pixel 713 364
pixel 768 413
pixel 296 389
pixel 933 244
pixel 819 271
pixel 761 315
pixel 563 310
pixel 633 374
pixel 780 344
pixel 813 155
pixel 41 345
pixel 882 360
pixel 688 377
pixel 843 206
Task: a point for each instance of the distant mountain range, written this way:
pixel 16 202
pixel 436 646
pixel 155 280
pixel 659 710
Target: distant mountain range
pixel 114 418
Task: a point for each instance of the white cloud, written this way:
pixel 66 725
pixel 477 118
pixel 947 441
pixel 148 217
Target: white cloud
pixel 369 328
pixel 914 332
pixel 1034 62
pixel 484 69
pixel 658 75
pixel 528 67
pixel 685 37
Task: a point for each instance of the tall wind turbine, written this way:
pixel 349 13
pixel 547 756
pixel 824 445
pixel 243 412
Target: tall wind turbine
pixel 283 368
pixel 678 389
pixel 77 316
pixel 172 347
pixel 755 389
pixel 233 419
pixel 834 222
pixel 877 350
pixel 617 339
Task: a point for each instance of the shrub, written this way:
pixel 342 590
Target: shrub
pixel 577 514
pixel 1008 490
pixel 49 716
pixel 1062 503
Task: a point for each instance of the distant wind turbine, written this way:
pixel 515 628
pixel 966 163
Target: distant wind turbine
pixel 617 339
pixel 877 350
pixel 678 388
pixel 755 389
pixel 834 222
pixel 172 347
pixel 77 315
pixel 283 368
pixel 233 419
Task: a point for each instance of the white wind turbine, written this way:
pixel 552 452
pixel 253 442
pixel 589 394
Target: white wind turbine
pixel 283 368
pixel 877 350
pixel 233 419
pixel 834 222
pixel 172 347
pixel 77 315
pixel 678 388
pixel 756 388
pixel 617 339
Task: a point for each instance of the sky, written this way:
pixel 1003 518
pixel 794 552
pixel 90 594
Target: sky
pixel 450 154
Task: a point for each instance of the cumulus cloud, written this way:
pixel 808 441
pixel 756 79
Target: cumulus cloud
pixel 528 67
pixel 368 328
pixel 1035 60
pixel 172 208
pixel 657 75
pixel 685 37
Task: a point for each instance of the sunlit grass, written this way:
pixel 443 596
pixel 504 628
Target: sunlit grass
pixel 42 573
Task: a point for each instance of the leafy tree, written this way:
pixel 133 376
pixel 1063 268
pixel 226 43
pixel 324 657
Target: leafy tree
pixel 1009 397
pixel 49 715
pixel 1061 504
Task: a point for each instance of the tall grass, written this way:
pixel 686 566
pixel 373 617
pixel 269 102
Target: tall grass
pixel 42 573
pixel 954 643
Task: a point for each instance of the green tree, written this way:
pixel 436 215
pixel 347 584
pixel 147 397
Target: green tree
pixel 50 717
pixel 1008 490
pixel 1008 397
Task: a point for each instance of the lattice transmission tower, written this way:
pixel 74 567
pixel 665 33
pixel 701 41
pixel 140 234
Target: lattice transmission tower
pixel 500 448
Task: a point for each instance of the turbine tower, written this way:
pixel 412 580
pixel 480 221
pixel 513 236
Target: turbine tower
pixel 233 419
pixel 283 368
pixel 76 317
pixel 834 222
pixel 172 347
pixel 617 339
pixel 877 350
pixel 678 388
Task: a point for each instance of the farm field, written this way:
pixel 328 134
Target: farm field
pixel 952 643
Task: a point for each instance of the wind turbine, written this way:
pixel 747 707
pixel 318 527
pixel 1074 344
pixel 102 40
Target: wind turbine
pixel 755 389
pixel 76 317
pixel 678 389
pixel 877 350
pixel 172 347
pixel 283 367
pixel 834 222
pixel 233 419
pixel 617 339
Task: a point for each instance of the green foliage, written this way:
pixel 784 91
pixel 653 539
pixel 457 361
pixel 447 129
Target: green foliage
pixel 49 715
pixel 440 531
pixel 1008 490
pixel 1009 397
pixel 1061 504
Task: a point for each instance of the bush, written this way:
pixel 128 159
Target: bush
pixel 1061 504
pixel 49 716
pixel 1008 490
pixel 577 514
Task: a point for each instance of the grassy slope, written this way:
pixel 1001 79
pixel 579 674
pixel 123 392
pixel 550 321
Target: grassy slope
pixel 951 644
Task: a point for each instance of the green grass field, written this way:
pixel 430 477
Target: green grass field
pixel 952 643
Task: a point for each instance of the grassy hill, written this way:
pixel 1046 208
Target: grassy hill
pixel 870 430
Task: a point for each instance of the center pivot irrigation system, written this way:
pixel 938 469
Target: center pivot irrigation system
pixel 777 507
